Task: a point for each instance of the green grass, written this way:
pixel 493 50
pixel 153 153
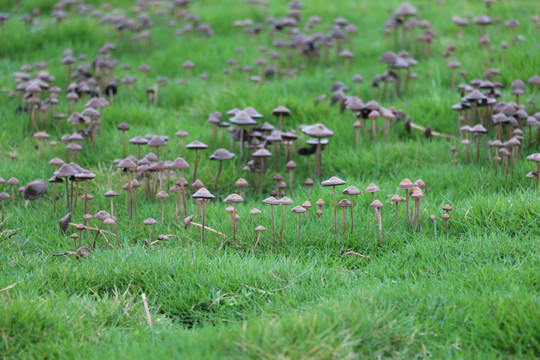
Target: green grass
pixel 468 294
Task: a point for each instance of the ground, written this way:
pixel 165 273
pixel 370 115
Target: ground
pixel 471 293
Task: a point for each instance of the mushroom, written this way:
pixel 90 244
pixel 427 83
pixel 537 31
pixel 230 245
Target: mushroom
pixel 149 222
pixel 280 112
pixel 157 142
pixel 272 202
pixel 284 201
pixel 204 195
pixel 446 217
pixel 334 181
pixel 3 196
pixel 111 222
pixel 536 158
pixel 35 190
pixel 220 155
pixel 66 171
pixel 258 230
pixel 40 136
pixel 396 199
pixel 129 166
pixel 233 199
pixel 85 176
pixel 453 150
pixel 254 212
pixel 417 194
pixel 352 191
pixel 242 119
pixel 180 164
pixel 101 216
pixel 13 181
pixel 162 195
pixel 372 188
pixel 318 131
pixel 309 183
pixel 111 194
pixel 241 183
pixel 139 141
pixel 291 165
pixel 181 134
pixel 478 131
pixel 196 145
pixel 261 155
pixel 344 204
pixel 376 205
pixel 407 185
pixel 307 205
pixel 298 210
pixel 123 127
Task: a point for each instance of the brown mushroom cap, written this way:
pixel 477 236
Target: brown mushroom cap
pixel 255 211
pixel 333 181
pixel 285 201
pixel 291 165
pixel 396 199
pixel 123 126
pixel 127 163
pixel 4 196
pixel 196 145
pixel 149 221
pixel 242 118
pixel 446 216
pixel 281 110
pixel 262 153
pixel 111 193
pixel 203 193
pixel 406 184
pixel 271 201
pixel 344 203
pixel 13 181
pixel 85 175
pixel 320 202
pixel 241 182
pixel 187 221
pixel 35 189
pixel 162 195
pixel 260 228
pixel 65 170
pixel 221 154
pixel 233 198
pixel 298 209
pixel 138 140
pixel 372 188
pixel 417 194
pixel 351 190
pixel 376 204
pixel 420 183
pixel 317 130
pixel 447 207
pixel 56 162
pixel 102 215
pixel 309 182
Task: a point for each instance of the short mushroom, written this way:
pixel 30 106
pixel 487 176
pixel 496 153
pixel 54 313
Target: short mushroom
pixel 272 202
pixel 376 205
pixel 352 191
pixel 299 210
pixel 220 155
pixel 396 199
pixel 204 195
pixel 258 230
pixel 162 196
pixel 149 222
pixel 344 204
pixel 196 145
pixel 334 181
pixel 284 201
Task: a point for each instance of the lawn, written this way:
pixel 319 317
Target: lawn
pixel 471 292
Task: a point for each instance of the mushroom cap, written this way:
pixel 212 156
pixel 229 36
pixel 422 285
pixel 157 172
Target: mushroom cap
pixel 406 184
pixel 123 126
pixel 41 135
pixel 277 177
pixel 376 204
pixel 13 181
pixel 242 118
pixel 396 199
pixel 233 198
pixel 65 170
pixel 109 221
pixel 318 130
pixel 149 221
pixel 262 153
pixel 4 196
pixel 298 209
pixel 111 193
pixel 187 221
pixel 309 182
pixel 372 188
pixel 221 154
pixel 271 201
pixel 138 140
pixel 179 163
pixel 197 184
pixel 281 110
pixel 333 181
pixel 254 211
pixel 56 162
pixel 85 175
pixel 181 134
pixel 127 163
pixel 351 190
pixel 241 182
pixel 196 145
pixel 203 193
pixel 253 113
pixel 420 183
pixel 446 216
pixel 320 202
pixel 162 195
pixel 285 201
pixel 64 222
pixel 417 194
pixel 74 147
pixel 35 189
pixel 534 157
pixel 405 9
pixel 447 207
pixel 260 228
pixel 157 141
pixel 344 203
pixel 102 215
pixel 291 165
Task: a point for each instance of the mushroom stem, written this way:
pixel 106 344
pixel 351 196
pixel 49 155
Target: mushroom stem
pixel 352 214
pixel 478 149
pixel 276 148
pixel 234 223
pixel 67 195
pixel 397 213
pixel 195 165
pixel 3 213
pixel 242 144
pixel 217 175
pixel 85 197
pixel 379 220
pixel 318 158
pixel 163 212
pixel 273 224
pixel 207 228
pixel 335 210
pixel 257 242
pixel 407 207
pixel 283 223
pixel 54 198
pixel 130 209
pixel 446 226
pixel 262 175
pixel 343 221
pixel 203 216
pixel 176 206
pixel 124 144
pixel 290 181
pixel 298 225
pixel 146 311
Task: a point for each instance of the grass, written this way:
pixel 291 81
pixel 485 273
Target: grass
pixel 471 293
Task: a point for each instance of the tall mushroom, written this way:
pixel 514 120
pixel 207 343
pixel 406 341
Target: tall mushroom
pixel 123 127
pixel 407 185
pixel 162 196
pixel 318 131
pixel 372 189
pixel 272 202
pixel 284 201
pixel 243 120
pixel 298 210
pixel 334 181
pixel 66 171
pixel 261 155
pixel 376 205
pixel 345 203
pixel 352 191
pixel 196 145
pixel 149 222
pixel 291 165
pixel 204 195
pixel 417 194
pixel 128 165
pixel 220 155
pixel 85 176
pixel 396 199
pixel 234 199
pixel 280 112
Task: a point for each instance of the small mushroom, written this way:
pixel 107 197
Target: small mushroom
pixel 309 183
pixel 3 196
pixel 291 165
pixel 334 181
pixel 123 127
pixel 417 194
pixel 284 201
pixel 149 222
pixel 396 199
pixel 111 194
pixel 318 131
pixel 258 230
pixel 272 202
pixel 298 210
pixel 344 204
pixel 261 155
pixel 204 195
pixel 220 155
pixel 233 199
pixel 446 217
pixel 376 205
pixel 196 145
pixel 241 183
pixel 13 181
pixel 162 196
pixel 352 191
pixel 407 185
